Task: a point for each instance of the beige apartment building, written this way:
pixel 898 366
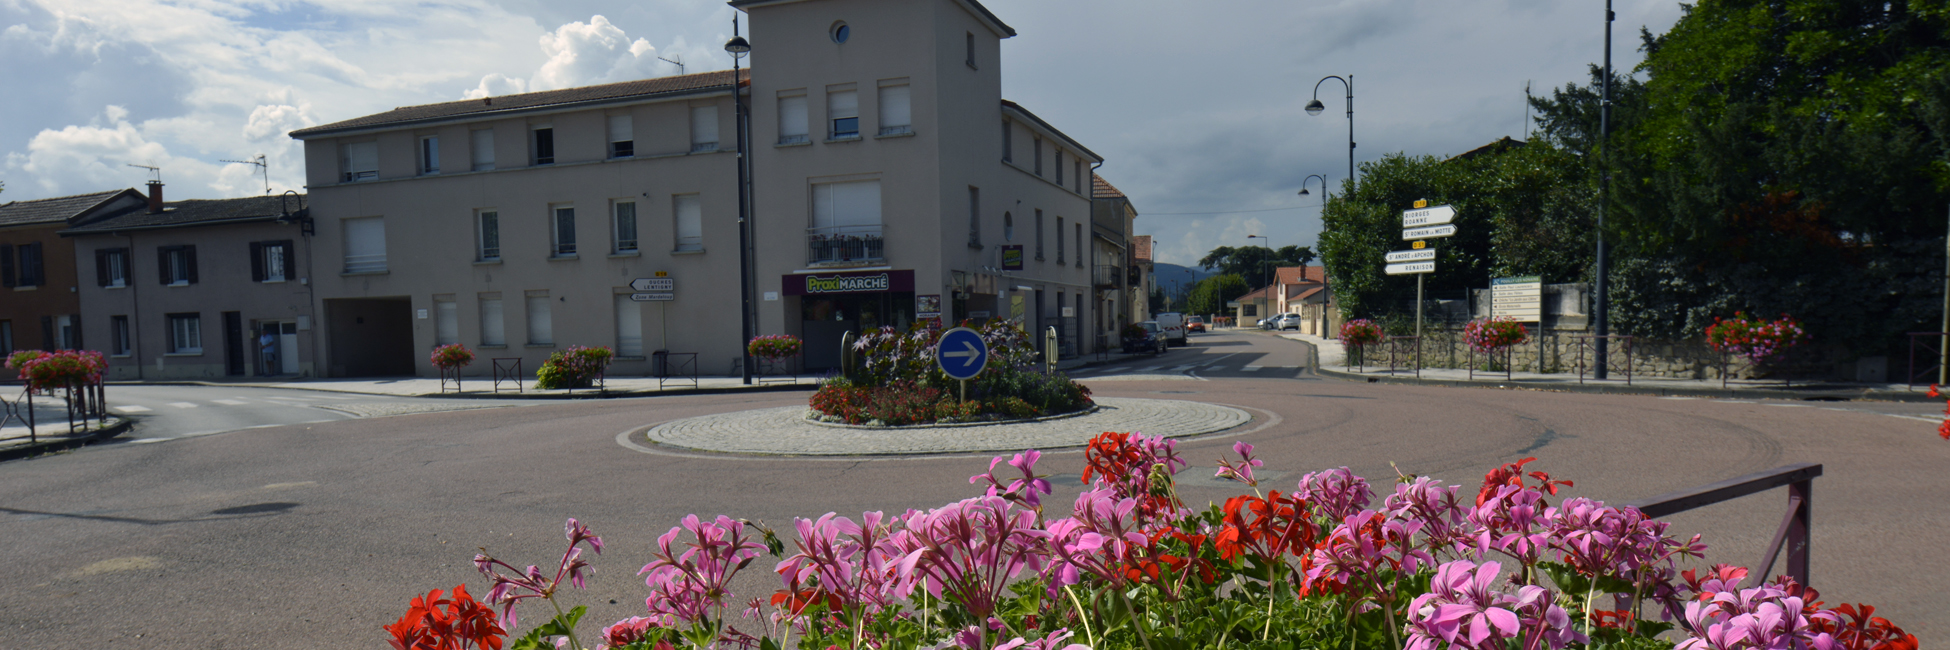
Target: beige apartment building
pixel 890 182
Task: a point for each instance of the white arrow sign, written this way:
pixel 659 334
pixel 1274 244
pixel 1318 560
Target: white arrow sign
pixel 653 297
pixel 1412 256
pixel 654 284
pixel 1431 232
pixel 1440 214
pixel 1411 268
pixel 970 353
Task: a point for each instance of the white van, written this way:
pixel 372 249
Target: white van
pixel 1174 326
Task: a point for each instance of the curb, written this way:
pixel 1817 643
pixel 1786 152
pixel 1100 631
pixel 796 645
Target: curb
pixel 121 426
pixel 1811 395
pixel 589 394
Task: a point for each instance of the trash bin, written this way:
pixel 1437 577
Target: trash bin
pixel 660 363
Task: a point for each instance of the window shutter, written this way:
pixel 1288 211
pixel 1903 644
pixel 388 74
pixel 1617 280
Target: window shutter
pixel 74 321
pixel 33 268
pixel 6 265
pixel 162 263
pixel 290 260
pixel 47 333
pixel 257 261
pixel 101 267
pixel 189 253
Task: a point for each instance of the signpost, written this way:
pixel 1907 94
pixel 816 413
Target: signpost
pixel 1411 256
pixel 661 284
pixel 1430 232
pixel 1520 298
pixel 1437 215
pixel 1411 268
pixel 662 288
pixel 962 354
pixel 1421 223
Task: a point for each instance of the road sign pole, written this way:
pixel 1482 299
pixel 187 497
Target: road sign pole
pixel 1418 309
pixel 964 391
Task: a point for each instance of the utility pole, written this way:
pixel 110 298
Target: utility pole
pixel 1603 324
pixel 1943 364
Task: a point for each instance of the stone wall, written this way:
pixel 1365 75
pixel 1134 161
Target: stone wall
pixel 1558 351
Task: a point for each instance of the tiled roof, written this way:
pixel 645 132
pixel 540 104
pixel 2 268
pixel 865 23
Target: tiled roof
pixel 1263 293
pixel 641 88
pixel 1501 144
pixel 195 212
pixel 53 210
pixel 1301 274
pixel 1302 292
pixel 1102 189
pixel 1006 104
pixel 1141 248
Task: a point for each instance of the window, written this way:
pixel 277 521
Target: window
pixel 365 245
pixel 6 336
pixel 1008 142
pixel 690 222
pixel 975 217
pixel 1059 240
pixel 544 145
pixel 622 137
pixel 493 327
pixel 490 234
pixel 971 50
pixel 1079 226
pixel 1059 166
pixel 446 320
pixel 483 150
pixel 7 276
pixel 358 161
pixel 185 333
pixel 792 120
pixel 541 326
pixel 845 222
pixel 629 326
pixel 624 231
pixel 1039 156
pixel 272 261
pixel 841 32
pixel 33 272
pixel 429 154
pixel 562 230
pixel 842 114
pixel 118 328
pixel 704 128
pixel 896 111
pixel 112 268
pixel 1008 227
pixel 178 265
pixel 1039 234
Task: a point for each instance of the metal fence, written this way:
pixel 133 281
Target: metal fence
pixel 1794 531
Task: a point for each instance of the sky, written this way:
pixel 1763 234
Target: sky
pixel 1197 107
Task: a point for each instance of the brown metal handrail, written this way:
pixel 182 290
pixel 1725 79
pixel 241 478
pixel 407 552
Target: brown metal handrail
pixel 1587 342
pixel 507 369
pixel 1396 356
pixel 1936 352
pixel 1795 528
pixel 19 410
pixel 1509 357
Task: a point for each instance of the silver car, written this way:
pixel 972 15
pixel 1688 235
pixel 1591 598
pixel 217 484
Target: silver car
pixel 1288 322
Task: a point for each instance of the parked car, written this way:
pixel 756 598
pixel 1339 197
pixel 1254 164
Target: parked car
pixel 1288 322
pixel 1194 324
pixel 1156 336
pixel 1267 323
pixel 1173 324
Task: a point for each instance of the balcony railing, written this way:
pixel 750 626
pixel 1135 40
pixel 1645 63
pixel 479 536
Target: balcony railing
pixel 1107 275
pixel 844 244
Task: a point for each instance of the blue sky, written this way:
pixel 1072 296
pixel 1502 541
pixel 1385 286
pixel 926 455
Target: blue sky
pixel 1196 106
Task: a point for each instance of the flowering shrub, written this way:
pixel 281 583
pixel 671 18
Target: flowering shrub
pixel 898 382
pixel 451 356
pixel 1494 334
pixel 436 623
pixel 1942 429
pixel 1360 331
pixel 774 346
pixel 574 367
pixel 1130 566
pixel 1757 340
pixel 45 371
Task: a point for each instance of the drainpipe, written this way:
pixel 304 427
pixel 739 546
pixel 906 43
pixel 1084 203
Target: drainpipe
pixel 135 317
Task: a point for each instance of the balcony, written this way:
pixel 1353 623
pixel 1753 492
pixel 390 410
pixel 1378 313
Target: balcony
pixel 840 244
pixel 1106 276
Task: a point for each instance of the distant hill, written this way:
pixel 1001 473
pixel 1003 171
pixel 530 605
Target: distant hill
pixel 1185 275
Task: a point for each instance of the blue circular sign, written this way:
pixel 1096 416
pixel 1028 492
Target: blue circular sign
pixel 961 353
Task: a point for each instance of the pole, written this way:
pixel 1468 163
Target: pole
pixel 1350 130
pixel 744 220
pixel 1603 324
pixel 1418 310
pixel 1943 366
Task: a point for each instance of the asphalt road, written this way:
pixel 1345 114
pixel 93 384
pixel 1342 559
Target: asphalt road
pixel 316 534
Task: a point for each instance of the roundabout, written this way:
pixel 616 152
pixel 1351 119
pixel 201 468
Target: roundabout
pixel 786 431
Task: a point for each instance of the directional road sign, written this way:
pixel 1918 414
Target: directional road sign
pixel 1437 215
pixel 1411 268
pixel 664 285
pixel 962 353
pixel 661 296
pixel 1519 298
pixel 1412 256
pixel 1430 232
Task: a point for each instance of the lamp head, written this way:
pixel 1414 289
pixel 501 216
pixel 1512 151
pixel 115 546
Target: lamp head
pixel 1315 107
pixel 1303 191
pixel 739 47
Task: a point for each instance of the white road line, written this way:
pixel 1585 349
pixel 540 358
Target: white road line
pixel 1679 398
pixel 132 409
pixel 1789 406
pixel 1150 369
pixel 230 402
pixel 144 441
pixel 184 405
pixel 1912 417
pixel 1250 369
pixel 325 397
pixel 290 399
pixel 1182 368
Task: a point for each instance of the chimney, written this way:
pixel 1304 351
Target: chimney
pixel 155 197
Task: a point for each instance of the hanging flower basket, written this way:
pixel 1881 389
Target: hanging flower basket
pixel 451 357
pixel 1755 339
pixel 774 346
pixel 1489 335
pixel 47 371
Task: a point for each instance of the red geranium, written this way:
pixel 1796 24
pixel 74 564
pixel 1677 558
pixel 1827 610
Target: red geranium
pixel 464 624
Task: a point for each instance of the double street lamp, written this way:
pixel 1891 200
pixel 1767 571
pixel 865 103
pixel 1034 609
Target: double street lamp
pixel 738 47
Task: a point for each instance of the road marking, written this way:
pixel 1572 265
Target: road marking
pixel 1250 369
pixel 183 405
pixel 230 402
pixel 325 397
pixel 1679 398
pixel 1789 406
pixel 290 399
pixel 1912 417
pixel 1183 368
pixel 1150 368
pixel 144 441
pixel 132 409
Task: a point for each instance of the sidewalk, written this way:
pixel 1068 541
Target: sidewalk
pixel 483 387
pixel 1331 362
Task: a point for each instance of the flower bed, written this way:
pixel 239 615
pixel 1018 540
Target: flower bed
pixel 898 383
pixel 573 367
pixel 47 371
pixel 1130 566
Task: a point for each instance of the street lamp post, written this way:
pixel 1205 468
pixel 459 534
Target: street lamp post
pixel 1262 268
pixel 1323 186
pixel 738 47
pixel 1602 320
pixel 1315 107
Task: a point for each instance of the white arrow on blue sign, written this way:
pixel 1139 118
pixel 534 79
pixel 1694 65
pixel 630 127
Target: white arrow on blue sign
pixel 961 353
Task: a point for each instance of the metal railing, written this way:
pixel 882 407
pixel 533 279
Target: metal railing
pixel 1398 355
pixel 1922 340
pixel 19 409
pixel 449 376
pixel 1106 275
pixel 1616 346
pixel 365 263
pixel 844 244
pixel 507 369
pixel 1793 533
pixel 1507 354
pixel 779 370
pixel 676 367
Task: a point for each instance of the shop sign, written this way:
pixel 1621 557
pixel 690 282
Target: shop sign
pixel 814 284
pixel 1012 257
pixel 928 306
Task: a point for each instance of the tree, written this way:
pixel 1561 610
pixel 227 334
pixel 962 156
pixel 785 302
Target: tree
pixel 1253 263
pixel 1210 295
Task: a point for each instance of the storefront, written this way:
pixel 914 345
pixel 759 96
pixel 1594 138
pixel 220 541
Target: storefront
pixel 832 304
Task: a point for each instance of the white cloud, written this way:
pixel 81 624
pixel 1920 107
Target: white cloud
pixel 582 54
pixel 78 159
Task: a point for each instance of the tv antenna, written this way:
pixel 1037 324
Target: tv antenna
pixel 156 172
pixel 676 59
pixel 1526 109
pixel 263 169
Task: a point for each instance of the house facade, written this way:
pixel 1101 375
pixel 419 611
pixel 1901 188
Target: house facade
pixel 1113 220
pixel 881 193
pixel 41 309
pixel 197 289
